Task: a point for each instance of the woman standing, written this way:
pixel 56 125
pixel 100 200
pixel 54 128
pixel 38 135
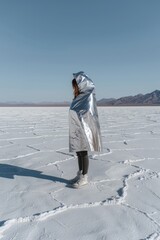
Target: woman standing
pixel 84 128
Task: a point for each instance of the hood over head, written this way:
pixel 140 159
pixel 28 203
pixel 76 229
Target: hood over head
pixel 84 83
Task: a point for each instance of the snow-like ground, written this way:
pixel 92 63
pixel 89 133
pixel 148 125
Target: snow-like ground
pixel 122 199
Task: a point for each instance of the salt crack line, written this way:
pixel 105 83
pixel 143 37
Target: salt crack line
pixel 64 153
pixel 17 157
pixel 25 155
pixel 10 139
pixel 132 149
pixel 2 131
pixel 153 236
pixel 151 174
pixel 137 160
pixel 109 151
pixel 60 161
pixel 144 213
pixel 156 195
pixel 105 180
pixel 54 198
pixel 122 192
pixel 127 149
pixel 59 149
pixel 33 148
pixel 58 169
pixel 133 160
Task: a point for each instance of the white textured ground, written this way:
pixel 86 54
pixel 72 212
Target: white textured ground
pixel 122 200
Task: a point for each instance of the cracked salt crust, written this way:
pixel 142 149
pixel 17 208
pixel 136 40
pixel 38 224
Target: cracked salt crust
pixel 122 197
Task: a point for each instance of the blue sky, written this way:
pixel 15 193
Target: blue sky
pixel 42 42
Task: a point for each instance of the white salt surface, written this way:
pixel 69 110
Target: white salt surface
pixel 122 199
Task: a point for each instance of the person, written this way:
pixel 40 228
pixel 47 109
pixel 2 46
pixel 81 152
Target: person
pixel 84 127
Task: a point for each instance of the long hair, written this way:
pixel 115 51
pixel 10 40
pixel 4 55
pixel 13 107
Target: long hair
pixel 75 88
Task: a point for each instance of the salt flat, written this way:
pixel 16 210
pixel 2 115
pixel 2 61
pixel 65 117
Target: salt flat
pixel 122 199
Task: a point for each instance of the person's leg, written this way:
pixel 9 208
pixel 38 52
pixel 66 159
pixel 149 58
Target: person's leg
pixel 85 162
pixel 80 161
pixel 83 178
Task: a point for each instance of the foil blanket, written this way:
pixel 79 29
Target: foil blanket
pixel 84 127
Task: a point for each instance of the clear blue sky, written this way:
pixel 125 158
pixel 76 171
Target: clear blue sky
pixel 42 42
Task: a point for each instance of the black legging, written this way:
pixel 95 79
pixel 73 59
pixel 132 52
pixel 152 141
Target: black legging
pixel 83 161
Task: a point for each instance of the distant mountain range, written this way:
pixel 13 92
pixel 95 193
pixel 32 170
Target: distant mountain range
pixel 148 99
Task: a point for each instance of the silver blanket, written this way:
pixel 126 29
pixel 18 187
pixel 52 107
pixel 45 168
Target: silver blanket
pixel 84 128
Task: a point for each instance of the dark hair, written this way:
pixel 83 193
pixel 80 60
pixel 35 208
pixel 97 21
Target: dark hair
pixel 75 87
pixel 74 83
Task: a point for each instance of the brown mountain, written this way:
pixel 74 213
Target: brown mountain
pixel 148 99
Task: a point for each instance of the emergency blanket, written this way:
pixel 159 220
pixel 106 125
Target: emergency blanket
pixel 84 127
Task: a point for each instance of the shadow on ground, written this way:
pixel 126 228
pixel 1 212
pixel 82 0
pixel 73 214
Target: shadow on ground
pixel 9 171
